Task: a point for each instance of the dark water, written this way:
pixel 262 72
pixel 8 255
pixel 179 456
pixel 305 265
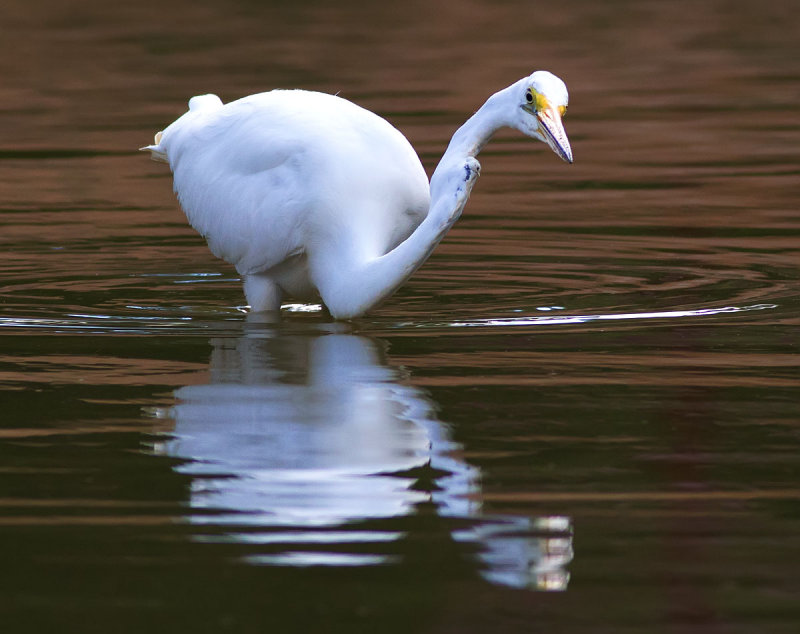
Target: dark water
pixel 580 415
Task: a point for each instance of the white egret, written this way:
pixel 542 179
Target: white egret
pixel 311 196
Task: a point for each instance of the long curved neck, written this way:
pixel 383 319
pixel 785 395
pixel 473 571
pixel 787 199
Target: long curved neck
pixel 355 291
pixel 470 138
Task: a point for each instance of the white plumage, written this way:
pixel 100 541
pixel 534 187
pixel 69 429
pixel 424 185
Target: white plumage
pixel 313 197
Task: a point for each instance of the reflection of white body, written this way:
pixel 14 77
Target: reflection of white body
pixel 301 435
pixel 310 453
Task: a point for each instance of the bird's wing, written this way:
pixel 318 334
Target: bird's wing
pixel 241 175
pixel 268 176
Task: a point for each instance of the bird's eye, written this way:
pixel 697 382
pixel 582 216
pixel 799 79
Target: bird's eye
pixel 529 96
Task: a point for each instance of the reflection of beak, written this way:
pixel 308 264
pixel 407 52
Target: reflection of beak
pixel 553 132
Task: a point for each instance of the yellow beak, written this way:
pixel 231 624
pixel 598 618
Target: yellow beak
pixel 552 129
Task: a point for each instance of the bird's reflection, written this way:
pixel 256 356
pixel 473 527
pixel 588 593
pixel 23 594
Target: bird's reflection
pixel 300 440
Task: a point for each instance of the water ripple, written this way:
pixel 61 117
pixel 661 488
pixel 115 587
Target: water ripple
pixel 581 319
pixel 154 324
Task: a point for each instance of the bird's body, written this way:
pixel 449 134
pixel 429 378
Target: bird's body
pixel 311 196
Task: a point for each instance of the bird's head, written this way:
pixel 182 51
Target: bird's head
pixel 542 99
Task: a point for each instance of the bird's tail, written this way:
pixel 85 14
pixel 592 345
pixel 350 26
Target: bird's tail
pixel 157 153
pixel 198 106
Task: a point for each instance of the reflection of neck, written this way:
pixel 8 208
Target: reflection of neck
pixel 338 360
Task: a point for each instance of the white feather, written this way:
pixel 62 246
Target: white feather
pixel 310 195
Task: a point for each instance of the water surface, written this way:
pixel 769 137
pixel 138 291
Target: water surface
pixel 580 415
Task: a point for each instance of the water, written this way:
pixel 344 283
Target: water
pixel 581 415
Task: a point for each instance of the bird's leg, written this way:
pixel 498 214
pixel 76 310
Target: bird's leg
pixel 262 293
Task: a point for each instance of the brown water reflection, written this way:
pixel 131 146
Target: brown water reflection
pixel 612 345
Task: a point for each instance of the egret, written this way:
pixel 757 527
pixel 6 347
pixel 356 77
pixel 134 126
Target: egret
pixel 313 197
